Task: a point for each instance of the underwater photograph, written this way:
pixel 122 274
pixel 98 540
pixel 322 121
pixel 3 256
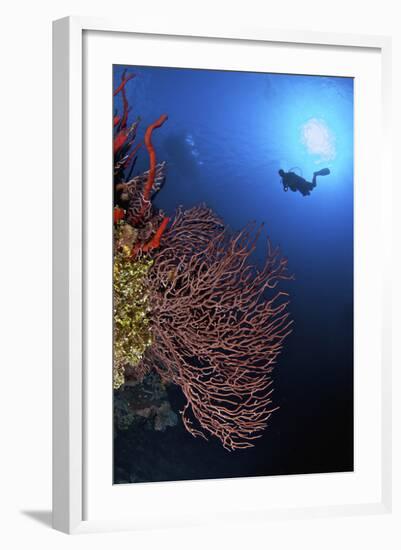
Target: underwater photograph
pixel 233 272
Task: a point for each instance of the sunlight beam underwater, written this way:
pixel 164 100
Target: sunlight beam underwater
pixel 318 139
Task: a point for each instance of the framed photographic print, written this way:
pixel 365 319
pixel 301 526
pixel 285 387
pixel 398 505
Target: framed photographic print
pixel 220 259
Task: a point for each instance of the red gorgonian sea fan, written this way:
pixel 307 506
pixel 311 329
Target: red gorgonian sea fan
pixel 218 325
pixel 217 321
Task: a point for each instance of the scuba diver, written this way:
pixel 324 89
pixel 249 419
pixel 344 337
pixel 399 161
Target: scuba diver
pixel 291 180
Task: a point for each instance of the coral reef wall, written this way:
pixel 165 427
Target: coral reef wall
pixel 190 305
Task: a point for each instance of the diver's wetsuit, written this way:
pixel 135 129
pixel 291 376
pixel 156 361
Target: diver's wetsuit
pixel 294 182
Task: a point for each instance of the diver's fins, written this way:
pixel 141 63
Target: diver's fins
pixel 323 172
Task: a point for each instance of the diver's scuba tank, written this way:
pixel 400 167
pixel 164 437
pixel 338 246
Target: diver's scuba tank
pixel 296 169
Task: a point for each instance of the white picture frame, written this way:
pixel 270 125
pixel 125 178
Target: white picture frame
pixel 71 426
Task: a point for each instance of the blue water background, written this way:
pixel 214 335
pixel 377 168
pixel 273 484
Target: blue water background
pixel 227 135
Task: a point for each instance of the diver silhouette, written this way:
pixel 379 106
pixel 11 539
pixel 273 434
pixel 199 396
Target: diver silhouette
pixel 291 180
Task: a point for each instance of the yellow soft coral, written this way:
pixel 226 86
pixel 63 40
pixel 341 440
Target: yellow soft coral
pixel 132 334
